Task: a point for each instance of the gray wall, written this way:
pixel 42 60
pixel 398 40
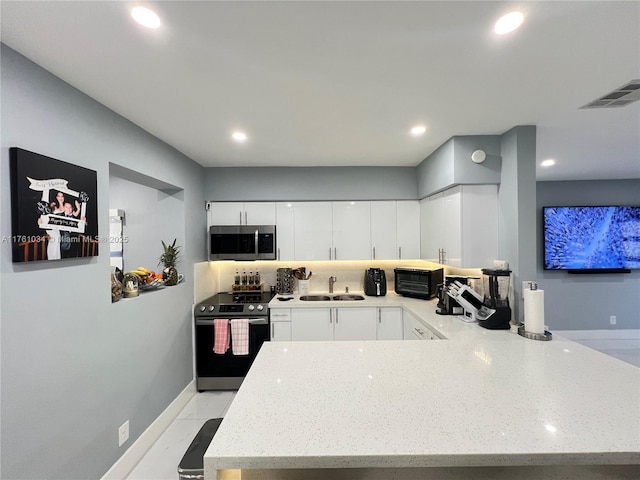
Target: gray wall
pixel 451 164
pixel 310 183
pixel 584 302
pixel 74 365
pixel 516 202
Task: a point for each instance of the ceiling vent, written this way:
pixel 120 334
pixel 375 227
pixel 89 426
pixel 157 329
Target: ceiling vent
pixel 628 93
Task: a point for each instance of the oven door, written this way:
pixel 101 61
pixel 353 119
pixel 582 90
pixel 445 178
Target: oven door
pixel 223 372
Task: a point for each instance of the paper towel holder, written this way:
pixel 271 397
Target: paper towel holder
pixel 546 336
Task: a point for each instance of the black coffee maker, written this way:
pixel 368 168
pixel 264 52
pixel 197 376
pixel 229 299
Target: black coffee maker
pixel 375 282
pixel 496 297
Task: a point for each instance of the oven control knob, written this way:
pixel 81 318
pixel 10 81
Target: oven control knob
pixel 260 307
pixel 203 308
pixel 251 308
pixel 212 308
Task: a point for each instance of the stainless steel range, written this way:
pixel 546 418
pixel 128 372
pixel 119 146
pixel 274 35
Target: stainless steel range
pixel 227 371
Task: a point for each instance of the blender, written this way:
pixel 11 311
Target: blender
pixel 496 297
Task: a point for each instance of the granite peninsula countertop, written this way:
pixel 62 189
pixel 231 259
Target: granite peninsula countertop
pixel 479 398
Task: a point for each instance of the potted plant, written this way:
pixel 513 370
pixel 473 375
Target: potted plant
pixel 169 259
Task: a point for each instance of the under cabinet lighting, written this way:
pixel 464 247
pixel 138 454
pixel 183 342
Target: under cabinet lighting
pixel 548 162
pixel 145 17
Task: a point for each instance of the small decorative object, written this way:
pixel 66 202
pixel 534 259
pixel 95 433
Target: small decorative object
pixel 116 286
pixel 169 259
pixel 131 285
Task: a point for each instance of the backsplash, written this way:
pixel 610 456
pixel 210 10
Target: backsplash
pixel 213 277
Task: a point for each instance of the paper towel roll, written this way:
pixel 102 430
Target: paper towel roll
pixel 534 311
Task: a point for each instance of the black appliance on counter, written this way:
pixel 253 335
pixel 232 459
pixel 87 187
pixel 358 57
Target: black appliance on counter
pixel 226 372
pixel 418 283
pixel 375 282
pixel 495 284
pixel 446 304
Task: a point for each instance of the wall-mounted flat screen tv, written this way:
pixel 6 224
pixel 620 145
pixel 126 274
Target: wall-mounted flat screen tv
pixel 591 238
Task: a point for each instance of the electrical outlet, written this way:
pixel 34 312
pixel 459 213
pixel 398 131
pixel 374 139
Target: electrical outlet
pixel 613 319
pixel 123 433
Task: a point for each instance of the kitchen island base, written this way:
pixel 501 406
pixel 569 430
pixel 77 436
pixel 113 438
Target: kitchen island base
pixel 545 472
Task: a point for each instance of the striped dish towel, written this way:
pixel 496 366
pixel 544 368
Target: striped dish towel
pixel 240 335
pixel 220 335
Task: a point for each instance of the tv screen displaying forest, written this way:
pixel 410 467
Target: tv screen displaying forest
pixel 591 238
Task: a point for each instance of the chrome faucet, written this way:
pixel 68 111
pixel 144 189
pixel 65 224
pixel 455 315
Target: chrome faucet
pixel 332 280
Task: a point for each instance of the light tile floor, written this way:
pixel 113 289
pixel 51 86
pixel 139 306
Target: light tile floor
pixel 161 461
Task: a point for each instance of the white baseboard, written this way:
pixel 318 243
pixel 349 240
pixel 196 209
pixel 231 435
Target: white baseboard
pixel 130 458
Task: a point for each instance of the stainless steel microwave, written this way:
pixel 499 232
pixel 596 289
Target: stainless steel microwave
pixel 242 242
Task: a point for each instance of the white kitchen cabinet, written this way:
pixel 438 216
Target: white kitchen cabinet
pixel 395 230
pixel 241 213
pixel 354 323
pixel 389 323
pixel 459 227
pixel 384 244
pixel 414 329
pixel 351 230
pixel 408 229
pixel 313 234
pixel 280 319
pixel 311 324
pixel 285 231
pixel 333 324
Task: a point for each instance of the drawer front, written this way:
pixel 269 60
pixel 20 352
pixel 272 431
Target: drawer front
pixel 280 314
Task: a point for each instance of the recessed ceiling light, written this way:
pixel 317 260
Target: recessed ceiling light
pixel 145 17
pixel 239 136
pixel 508 23
pixel 548 162
pixel 418 130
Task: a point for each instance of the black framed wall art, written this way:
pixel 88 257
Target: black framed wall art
pixel 54 208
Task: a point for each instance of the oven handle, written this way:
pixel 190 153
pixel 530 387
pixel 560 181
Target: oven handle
pixel 252 321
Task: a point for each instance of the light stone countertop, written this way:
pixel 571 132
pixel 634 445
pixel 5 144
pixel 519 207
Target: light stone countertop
pixel 479 398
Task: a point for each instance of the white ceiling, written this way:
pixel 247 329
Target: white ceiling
pixel 340 83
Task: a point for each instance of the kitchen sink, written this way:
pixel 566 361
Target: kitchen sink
pixel 348 296
pixel 315 298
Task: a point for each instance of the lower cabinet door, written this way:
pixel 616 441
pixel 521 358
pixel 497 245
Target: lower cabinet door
pixel 311 324
pixel 280 331
pixel 390 323
pixel 355 323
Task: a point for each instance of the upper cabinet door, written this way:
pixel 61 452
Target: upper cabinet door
pixel 225 213
pixel 241 213
pixel 351 230
pixel 408 229
pixel 259 213
pixel 452 233
pixel 313 238
pixel 285 231
pixel 383 230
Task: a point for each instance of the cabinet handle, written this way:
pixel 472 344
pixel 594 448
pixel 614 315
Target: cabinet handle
pixel 379 315
pixel 331 315
pixel 335 253
pixel 400 253
pixel 240 213
pixel 374 253
pixel 246 222
pixel 336 316
pixel 278 253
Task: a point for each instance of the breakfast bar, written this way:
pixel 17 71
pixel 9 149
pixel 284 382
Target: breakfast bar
pixel 476 404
